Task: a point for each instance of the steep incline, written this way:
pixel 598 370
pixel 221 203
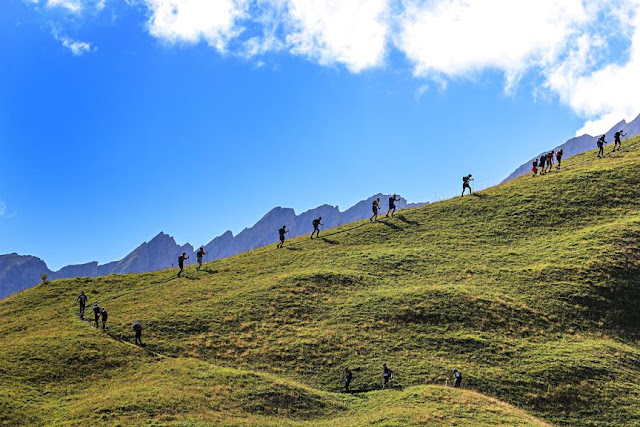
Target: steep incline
pixel 531 288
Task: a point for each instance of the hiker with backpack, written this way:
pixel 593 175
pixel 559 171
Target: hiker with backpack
pixel 138 330
pixel 374 207
pixel 457 378
pixel 282 232
pixel 616 140
pixel 392 205
pixel 104 315
pixel 199 256
pixel 96 313
pixel 600 143
pixel 82 299
pixel 387 376
pixel 543 161
pixel 534 168
pixel 181 259
pixel 347 376
pixel 316 226
pixel 559 158
pixel 550 160
pixel 465 184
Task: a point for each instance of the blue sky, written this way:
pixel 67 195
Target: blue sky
pixel 120 119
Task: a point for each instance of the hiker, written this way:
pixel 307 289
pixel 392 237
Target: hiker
pixel 534 168
pixel 282 231
pixel 103 315
pixel 457 378
pixel 387 375
pixel 559 158
pixel 138 330
pixel 199 255
pixel 374 207
pixel 181 259
pixel 96 313
pixel 316 224
pixel 600 143
pixel 543 160
pixel 392 205
pixel 465 183
pixel 616 140
pixel 82 299
pixel 550 160
pixel 347 376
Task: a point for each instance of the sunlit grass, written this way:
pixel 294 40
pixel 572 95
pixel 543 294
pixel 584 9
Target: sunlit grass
pixel 531 289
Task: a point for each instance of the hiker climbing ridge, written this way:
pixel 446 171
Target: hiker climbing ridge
pixel 375 206
pixel 392 205
pixel 199 256
pixel 465 184
pixel 316 224
pixel 282 232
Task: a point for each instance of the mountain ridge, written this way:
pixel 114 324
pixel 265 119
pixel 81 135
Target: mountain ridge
pixel 580 144
pixel 162 250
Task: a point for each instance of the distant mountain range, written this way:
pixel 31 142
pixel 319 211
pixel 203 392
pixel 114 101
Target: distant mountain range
pixel 19 272
pixel 581 144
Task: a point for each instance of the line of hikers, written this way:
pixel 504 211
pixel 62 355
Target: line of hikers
pixel 545 162
pixel 101 313
pixel 317 222
pixel 388 375
pixel 98 312
pixel 617 143
pixel 347 376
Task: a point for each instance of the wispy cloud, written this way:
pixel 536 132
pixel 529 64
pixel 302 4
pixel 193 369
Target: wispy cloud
pixel 77 47
pixel 3 208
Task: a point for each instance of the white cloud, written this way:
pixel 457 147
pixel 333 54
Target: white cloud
pixel 584 53
pixel 77 47
pixel 73 6
pixel 605 94
pixel 192 21
pixel 3 208
pixel 458 37
pixel 353 33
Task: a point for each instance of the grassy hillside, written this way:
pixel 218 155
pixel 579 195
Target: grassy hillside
pixel 531 289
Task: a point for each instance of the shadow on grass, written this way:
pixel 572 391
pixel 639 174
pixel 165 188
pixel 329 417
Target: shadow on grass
pixel 329 241
pixel 406 220
pixel 392 226
pixel 479 195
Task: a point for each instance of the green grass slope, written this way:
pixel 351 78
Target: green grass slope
pixel 531 289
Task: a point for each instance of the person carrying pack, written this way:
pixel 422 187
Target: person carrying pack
pixel 550 160
pixel 347 376
pixel 199 256
pixel 559 158
pixel 374 207
pixel 457 378
pixel 465 184
pixel 387 375
pixel 104 315
pixel 392 205
pixel 316 226
pixel 96 313
pixel 282 232
pixel 600 143
pixel 82 299
pixel 534 168
pixel 138 330
pixel 616 140
pixel 181 259
pixel 543 160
